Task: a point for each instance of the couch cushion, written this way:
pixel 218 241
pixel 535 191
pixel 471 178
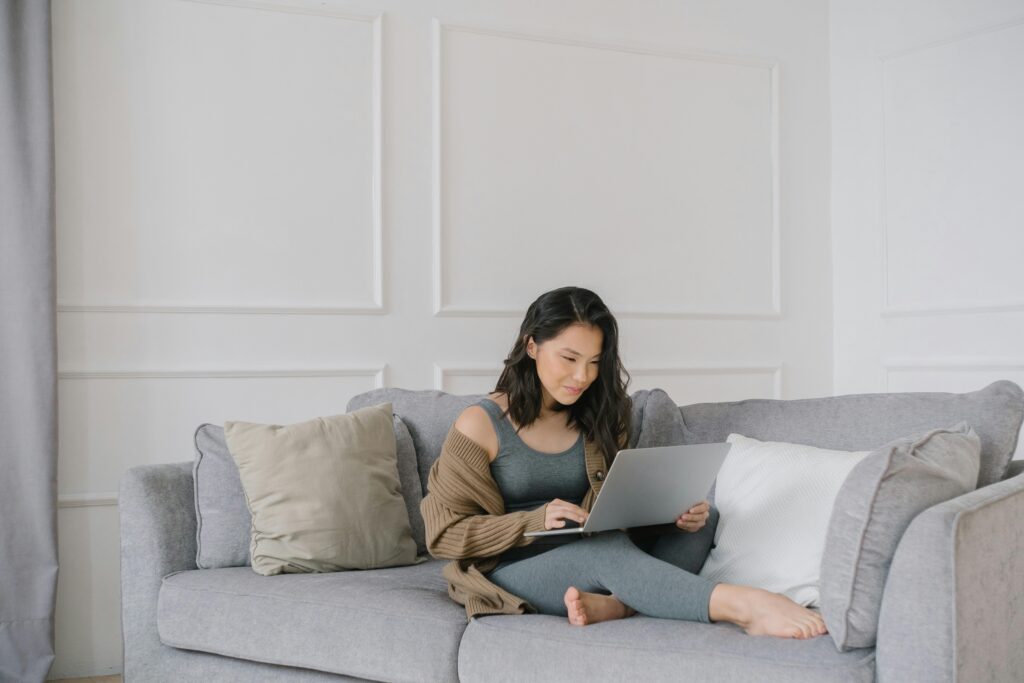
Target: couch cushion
pixel 857 422
pixel 875 505
pixel 774 500
pixel 393 624
pixel 324 493
pixel 223 521
pixel 546 648
pixel 429 414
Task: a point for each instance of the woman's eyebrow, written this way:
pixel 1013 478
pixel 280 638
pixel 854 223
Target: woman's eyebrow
pixel 576 353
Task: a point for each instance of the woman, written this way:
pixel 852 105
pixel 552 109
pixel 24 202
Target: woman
pixel 532 455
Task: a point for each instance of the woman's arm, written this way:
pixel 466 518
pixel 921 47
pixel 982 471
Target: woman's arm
pixel 462 508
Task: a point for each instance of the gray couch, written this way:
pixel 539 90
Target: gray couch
pixel 952 609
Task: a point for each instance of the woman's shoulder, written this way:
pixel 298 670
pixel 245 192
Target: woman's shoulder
pixel 475 424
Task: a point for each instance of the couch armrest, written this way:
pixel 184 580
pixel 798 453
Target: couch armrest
pixel 158 536
pixel 953 606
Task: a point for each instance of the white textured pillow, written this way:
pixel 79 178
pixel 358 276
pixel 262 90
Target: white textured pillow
pixel 774 500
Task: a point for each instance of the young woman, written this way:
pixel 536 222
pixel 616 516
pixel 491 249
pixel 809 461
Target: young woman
pixel 532 456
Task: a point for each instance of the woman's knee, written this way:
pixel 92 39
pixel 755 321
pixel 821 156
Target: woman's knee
pixel 608 544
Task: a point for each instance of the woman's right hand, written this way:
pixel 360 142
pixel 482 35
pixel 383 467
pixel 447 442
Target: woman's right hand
pixel 559 510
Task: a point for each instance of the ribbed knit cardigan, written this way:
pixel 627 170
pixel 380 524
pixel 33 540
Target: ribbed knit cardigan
pixel 465 519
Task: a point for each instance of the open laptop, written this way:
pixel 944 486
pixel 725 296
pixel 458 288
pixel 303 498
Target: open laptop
pixel 647 486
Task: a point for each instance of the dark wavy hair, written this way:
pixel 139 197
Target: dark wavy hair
pixel 604 411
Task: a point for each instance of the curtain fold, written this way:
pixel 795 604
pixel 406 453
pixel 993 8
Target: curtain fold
pixel 28 349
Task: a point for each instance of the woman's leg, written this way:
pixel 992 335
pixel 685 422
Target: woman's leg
pixel 608 562
pixel 758 611
pixel 684 549
pixel 612 563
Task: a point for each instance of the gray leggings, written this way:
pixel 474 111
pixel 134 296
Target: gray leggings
pixel 653 570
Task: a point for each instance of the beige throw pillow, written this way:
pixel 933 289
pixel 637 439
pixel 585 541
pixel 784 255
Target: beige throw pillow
pixel 324 495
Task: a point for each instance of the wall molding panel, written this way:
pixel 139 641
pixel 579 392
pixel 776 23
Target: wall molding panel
pixel 83 500
pixel 443 371
pixel 884 61
pixel 949 365
pixel 443 307
pixel 773 371
pixel 376 305
pixel 377 375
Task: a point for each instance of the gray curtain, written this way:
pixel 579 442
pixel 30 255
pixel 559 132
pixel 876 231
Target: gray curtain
pixel 28 360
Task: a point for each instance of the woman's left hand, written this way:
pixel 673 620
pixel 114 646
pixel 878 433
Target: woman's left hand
pixel 695 518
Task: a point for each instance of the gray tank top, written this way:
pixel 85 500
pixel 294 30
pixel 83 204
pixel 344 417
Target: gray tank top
pixel 528 478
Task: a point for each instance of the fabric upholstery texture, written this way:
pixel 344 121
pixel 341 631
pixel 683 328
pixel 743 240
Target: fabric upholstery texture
pixel 876 503
pixel 536 647
pixel 29 562
pixel 324 494
pixel 223 522
pixel 857 422
pixel 392 624
pixel 774 499
pixel 953 602
pixel 1016 467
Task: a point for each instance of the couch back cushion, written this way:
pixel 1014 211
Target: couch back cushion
pixel 430 413
pixel 855 422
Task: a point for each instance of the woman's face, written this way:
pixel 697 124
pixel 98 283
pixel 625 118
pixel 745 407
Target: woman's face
pixel 566 362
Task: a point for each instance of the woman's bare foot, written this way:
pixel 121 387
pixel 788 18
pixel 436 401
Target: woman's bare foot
pixel 763 613
pixel 590 608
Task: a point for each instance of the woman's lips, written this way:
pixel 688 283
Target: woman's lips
pixel 573 391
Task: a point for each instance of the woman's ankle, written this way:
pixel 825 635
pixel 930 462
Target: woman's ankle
pixel 627 611
pixel 728 603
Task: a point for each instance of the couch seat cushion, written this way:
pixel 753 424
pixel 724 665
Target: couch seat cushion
pixel 389 624
pixel 538 647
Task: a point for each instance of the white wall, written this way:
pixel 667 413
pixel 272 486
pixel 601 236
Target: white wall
pixel 927 201
pixel 266 208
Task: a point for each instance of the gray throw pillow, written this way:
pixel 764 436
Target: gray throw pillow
pixel 880 497
pixel 223 522
pixel 222 518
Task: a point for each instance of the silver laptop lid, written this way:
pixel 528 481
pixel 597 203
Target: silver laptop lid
pixel 648 486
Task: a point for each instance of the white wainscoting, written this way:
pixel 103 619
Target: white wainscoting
pixel 684 208
pixel 87 626
pixel 927 212
pixel 686 385
pixel 949 374
pixel 952 209
pixel 110 421
pixel 219 146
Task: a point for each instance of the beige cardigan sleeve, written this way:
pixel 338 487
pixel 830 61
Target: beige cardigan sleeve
pixel 463 510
